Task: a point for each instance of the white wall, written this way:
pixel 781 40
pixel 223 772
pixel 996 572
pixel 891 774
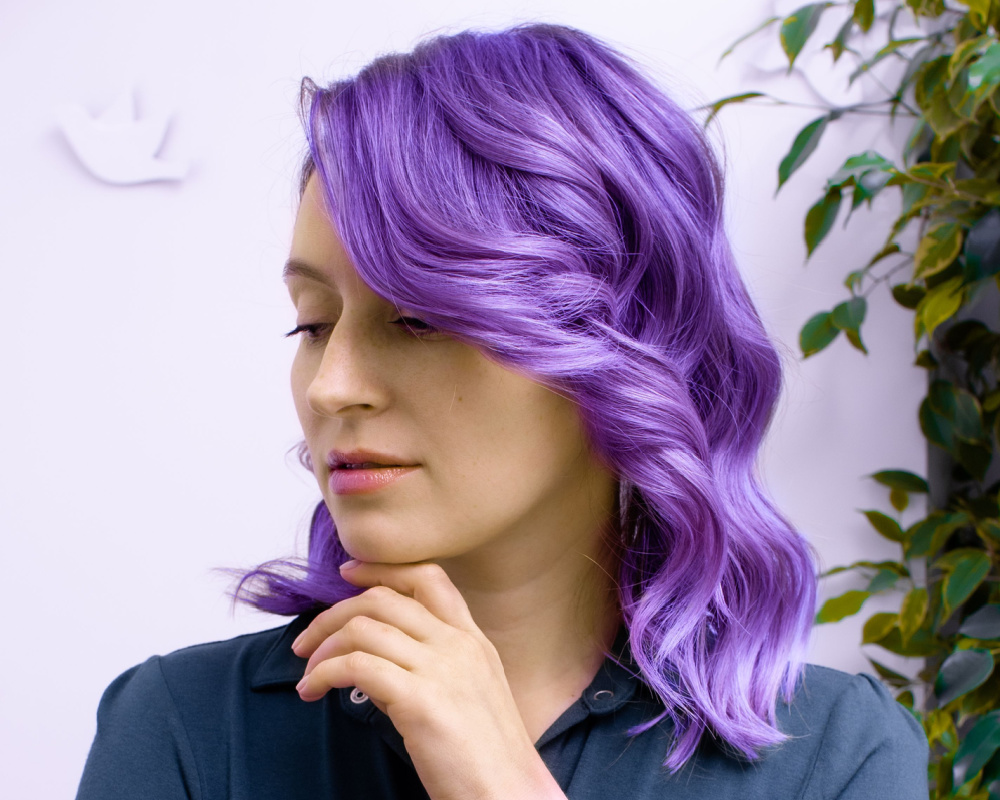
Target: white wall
pixel 145 413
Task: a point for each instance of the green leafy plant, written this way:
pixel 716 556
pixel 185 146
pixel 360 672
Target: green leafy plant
pixel 941 260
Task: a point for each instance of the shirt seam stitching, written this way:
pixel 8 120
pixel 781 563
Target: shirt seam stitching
pixel 183 727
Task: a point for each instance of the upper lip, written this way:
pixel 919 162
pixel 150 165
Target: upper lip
pixel 337 458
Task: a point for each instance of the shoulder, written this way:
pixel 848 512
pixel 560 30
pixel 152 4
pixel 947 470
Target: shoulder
pixel 858 741
pixel 167 727
pixel 199 677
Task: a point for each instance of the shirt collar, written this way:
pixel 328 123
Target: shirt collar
pixel 280 666
pixel 613 686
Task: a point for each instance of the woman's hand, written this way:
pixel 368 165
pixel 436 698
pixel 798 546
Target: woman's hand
pixel 410 644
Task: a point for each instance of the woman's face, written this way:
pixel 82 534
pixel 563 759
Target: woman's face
pixel 498 465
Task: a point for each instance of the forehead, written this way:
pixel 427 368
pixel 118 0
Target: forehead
pixel 317 255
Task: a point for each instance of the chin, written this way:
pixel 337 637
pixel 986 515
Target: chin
pixel 379 549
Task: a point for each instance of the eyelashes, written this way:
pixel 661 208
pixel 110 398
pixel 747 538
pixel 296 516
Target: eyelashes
pixel 315 332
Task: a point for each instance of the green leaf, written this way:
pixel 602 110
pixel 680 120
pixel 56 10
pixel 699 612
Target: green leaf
pixel 718 105
pixel 989 529
pixel 907 295
pixel 884 579
pixel 839 43
pixel 891 677
pixel 927 8
pixel 885 525
pixel 974 456
pixel 967 570
pixel 883 53
pixel 962 672
pixel 766 23
pixel 803 146
pixel 798 27
pixel 929 79
pixel 864 13
pixel 964 53
pixel 899 499
pixel 901 479
pixel 979 12
pixel 817 333
pixel 940 114
pixel 984 74
pixel 982 245
pixel 959 407
pixel 857 166
pixel 912 612
pixel 853 279
pixel 926 360
pixel 846 605
pixel 848 316
pixel 977 747
pixel 878 627
pixel 983 624
pixel 937 249
pixel 928 535
pixel 820 218
pixel 894 566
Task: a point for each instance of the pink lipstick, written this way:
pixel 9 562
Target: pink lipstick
pixel 364 471
pixel 362 481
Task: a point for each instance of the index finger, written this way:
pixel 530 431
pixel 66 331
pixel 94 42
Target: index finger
pixel 426 583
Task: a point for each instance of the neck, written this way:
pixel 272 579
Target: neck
pixel 551 616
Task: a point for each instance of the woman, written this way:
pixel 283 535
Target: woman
pixel 532 388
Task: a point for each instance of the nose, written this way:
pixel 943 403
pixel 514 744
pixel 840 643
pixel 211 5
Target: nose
pixel 348 377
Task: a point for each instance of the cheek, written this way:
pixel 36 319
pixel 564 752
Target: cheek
pixel 301 378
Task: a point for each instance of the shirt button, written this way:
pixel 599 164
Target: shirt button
pixel 358 697
pixel 603 695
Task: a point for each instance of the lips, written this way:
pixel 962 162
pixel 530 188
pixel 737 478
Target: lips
pixel 364 459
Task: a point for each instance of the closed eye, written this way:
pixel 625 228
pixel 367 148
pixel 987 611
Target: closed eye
pixel 312 331
pixel 414 325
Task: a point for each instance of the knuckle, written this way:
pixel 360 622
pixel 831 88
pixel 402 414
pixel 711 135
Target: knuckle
pixel 358 662
pixel 356 626
pixel 380 594
pixel 433 573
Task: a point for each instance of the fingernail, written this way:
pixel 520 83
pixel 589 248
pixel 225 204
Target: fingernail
pixel 301 684
pixel 349 564
pixel 298 640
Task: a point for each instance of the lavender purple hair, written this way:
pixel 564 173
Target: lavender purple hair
pixel 530 192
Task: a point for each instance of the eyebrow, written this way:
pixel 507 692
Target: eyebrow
pixel 299 269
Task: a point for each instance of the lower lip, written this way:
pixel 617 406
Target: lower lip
pixel 365 481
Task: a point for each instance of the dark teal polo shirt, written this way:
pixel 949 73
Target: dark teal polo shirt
pixel 223 720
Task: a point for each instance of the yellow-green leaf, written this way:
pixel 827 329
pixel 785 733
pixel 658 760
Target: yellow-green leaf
pixel 864 13
pixel 912 613
pixel 845 605
pixel 939 304
pixel 798 27
pixel 885 525
pixel 938 248
pixel 878 627
pixel 899 499
pixel 979 12
pixel 718 105
pixel 820 218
